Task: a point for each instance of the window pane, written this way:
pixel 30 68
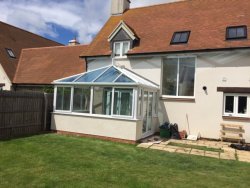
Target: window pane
pixel 59 98
pixel 186 77
pixel 145 112
pixel 169 82
pixel 229 106
pixel 81 100
pixel 90 76
pixel 242 105
pixel 109 76
pixel 184 37
pixel 63 98
pixel 71 79
pixel 66 98
pixel 240 32
pixel 156 104
pixel 140 103
pixel 123 102
pixel 124 79
pixel 176 38
pixel 125 48
pixel 117 49
pixel 232 33
pixel 102 100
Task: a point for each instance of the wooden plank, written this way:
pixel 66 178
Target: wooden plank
pixel 232 126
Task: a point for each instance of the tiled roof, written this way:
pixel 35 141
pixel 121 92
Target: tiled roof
pixel 154 25
pixel 44 65
pixel 16 39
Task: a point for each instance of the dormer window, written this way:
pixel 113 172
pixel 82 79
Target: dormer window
pixel 236 32
pixel 180 37
pixel 122 39
pixel 121 48
pixel 10 53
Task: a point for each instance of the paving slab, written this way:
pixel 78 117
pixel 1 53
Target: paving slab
pixel 171 150
pixel 212 154
pixel 173 147
pixel 227 156
pixel 243 159
pixel 183 150
pixel 197 152
pixel 145 145
pixel 157 147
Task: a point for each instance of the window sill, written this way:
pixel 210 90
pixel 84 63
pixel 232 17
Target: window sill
pixel 235 118
pixel 177 99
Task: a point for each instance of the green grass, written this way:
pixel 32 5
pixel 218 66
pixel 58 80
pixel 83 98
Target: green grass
pixel 60 161
pixel 205 148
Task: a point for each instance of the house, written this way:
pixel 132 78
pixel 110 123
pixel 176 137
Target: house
pixel 185 62
pixel 13 40
pixel 38 67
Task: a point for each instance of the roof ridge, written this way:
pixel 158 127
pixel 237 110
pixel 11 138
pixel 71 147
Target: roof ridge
pixel 49 47
pixel 1 22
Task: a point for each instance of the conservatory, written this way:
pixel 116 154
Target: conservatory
pixel 111 102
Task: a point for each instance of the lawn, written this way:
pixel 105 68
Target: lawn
pixel 60 161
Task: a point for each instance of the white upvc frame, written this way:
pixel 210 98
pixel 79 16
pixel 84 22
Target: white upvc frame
pixel 178 68
pixel 121 48
pixel 71 97
pixel 235 110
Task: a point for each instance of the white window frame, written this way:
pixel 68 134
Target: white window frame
pixel 177 89
pixel 121 48
pixel 235 110
pixel 71 99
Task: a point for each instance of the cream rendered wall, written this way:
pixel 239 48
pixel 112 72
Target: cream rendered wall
pixel 4 79
pixel 214 69
pixel 106 127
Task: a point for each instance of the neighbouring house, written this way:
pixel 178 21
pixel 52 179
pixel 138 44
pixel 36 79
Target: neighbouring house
pixel 13 40
pixel 186 62
pixel 38 67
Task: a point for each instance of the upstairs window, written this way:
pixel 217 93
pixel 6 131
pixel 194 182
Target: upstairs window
pixel 180 37
pixel 10 53
pixel 121 48
pixel 236 32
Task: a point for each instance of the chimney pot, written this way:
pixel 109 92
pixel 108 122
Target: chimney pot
pixel 73 42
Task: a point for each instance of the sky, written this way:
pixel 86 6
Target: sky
pixel 62 20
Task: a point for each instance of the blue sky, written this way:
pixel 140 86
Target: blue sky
pixel 62 20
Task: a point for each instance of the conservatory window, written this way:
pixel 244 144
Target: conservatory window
pixel 236 105
pixel 121 48
pixel 63 98
pixel 102 100
pixel 123 102
pixel 81 99
pixel 178 77
pixel 140 103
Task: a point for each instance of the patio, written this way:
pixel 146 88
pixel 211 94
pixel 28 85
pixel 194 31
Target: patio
pixel 222 150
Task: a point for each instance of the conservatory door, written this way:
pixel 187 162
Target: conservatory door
pixel 147 129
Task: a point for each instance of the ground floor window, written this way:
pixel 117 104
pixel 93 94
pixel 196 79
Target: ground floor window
pixel 178 76
pixel 81 99
pixel 102 99
pixel 236 105
pixel 123 99
pixel 63 98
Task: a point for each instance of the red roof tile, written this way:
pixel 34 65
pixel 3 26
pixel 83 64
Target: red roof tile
pixel 16 39
pixel 44 65
pixel 154 25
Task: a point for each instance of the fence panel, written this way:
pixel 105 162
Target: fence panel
pixel 24 113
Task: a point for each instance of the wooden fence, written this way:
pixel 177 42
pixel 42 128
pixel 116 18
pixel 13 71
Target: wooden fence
pixel 24 113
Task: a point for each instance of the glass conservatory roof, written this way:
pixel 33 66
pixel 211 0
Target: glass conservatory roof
pixel 111 75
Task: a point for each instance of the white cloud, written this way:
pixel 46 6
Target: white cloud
pixel 85 17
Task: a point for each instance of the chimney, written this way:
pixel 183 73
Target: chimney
pixel 73 42
pixel 119 6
